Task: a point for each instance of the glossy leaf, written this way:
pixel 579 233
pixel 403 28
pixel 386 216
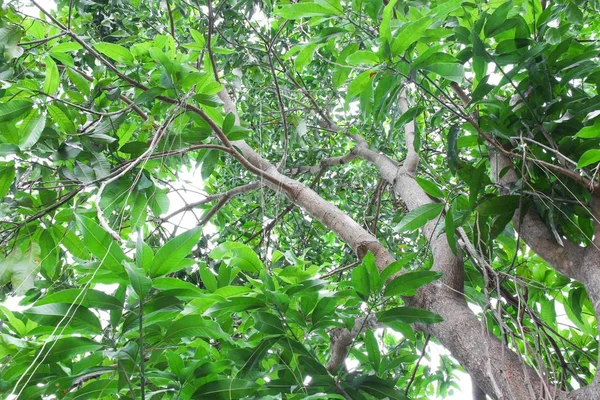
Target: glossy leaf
pixel 419 217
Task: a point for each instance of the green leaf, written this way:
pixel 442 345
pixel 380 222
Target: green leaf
pixel 138 280
pixel 573 13
pixel 90 298
pixel 430 187
pixel 169 256
pixel 58 314
pixel 13 109
pixel 304 10
pixel 385 33
pixel 228 122
pixel 268 323
pixel 325 307
pixel 198 37
pixel 95 390
pixel 305 56
pixel 341 73
pixel 589 157
pixel 7 177
pixel 67 348
pixel 407 283
pixel 359 84
pixel 101 244
pixel 499 205
pixel 381 389
pixel 419 217
pixel 71 241
pixel 176 365
pixel 410 33
pixel 451 71
pixel 363 57
pixel 396 266
pixel 66 47
pixel 360 281
pixel 590 132
pixel 373 349
pixel 208 278
pixel 63 121
pixel 239 255
pixel 210 100
pixel 52 79
pixel 226 389
pixel 193 326
pixel 31 130
pixel 494 23
pixel 408 315
pixel 116 52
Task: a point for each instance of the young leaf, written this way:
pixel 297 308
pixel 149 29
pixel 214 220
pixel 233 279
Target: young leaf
pixel 239 255
pixel 54 314
pixel 410 33
pixel 407 283
pixel 7 176
pixel 372 349
pixel 67 348
pixel 363 57
pixel 451 71
pixel 14 108
pixel 591 156
pixel 138 280
pixel 396 266
pixel 359 84
pixel 419 217
pixel 117 52
pixel 305 56
pixel 430 187
pixel 360 281
pixel 173 252
pixel 208 278
pixel 100 244
pixel 193 326
pixel 52 79
pixel 31 129
pixel 590 132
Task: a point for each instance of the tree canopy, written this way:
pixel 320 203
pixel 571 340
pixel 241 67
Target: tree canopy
pixel 356 180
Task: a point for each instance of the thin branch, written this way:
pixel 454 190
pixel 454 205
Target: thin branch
pixel 171 22
pixel 229 194
pixel 414 374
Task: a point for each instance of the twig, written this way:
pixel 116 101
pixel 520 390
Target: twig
pixel 412 378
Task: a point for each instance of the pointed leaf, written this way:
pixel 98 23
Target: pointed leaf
pixel 408 315
pixel 419 217
pixel 14 108
pixel 407 283
pixel 52 79
pixel 173 252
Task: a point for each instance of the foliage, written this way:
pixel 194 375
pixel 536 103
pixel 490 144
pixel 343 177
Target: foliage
pixel 105 105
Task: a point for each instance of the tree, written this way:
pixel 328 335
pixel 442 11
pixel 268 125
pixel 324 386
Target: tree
pixel 376 175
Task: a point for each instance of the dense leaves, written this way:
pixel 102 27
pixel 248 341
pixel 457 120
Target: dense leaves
pixel 144 268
